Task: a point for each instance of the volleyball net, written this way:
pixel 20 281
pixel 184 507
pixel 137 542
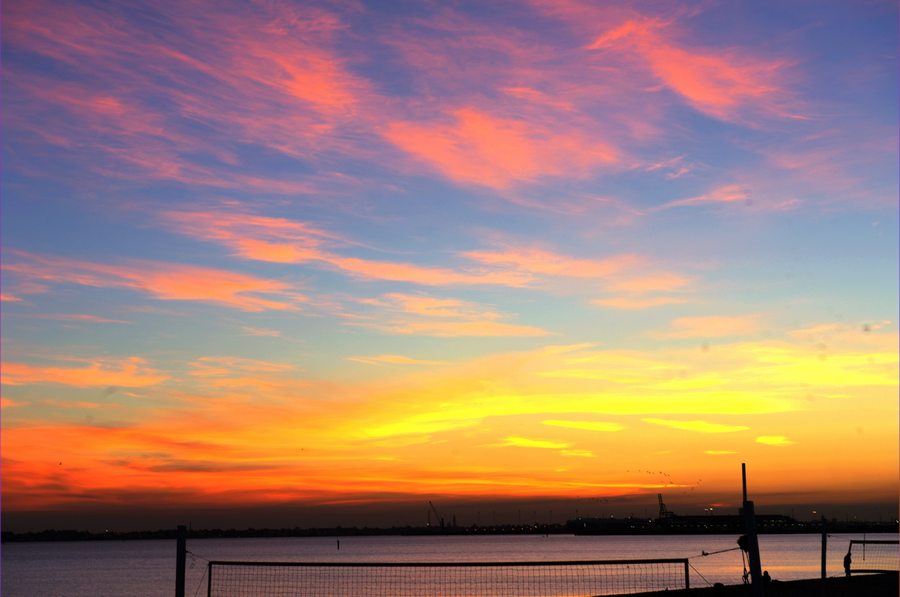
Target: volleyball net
pixel 874 555
pixel 457 579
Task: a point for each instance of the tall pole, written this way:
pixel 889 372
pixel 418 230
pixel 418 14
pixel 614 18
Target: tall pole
pixel 180 557
pixel 752 542
pixel 744 478
pixel 824 546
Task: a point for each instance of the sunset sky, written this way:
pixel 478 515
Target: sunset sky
pixel 362 255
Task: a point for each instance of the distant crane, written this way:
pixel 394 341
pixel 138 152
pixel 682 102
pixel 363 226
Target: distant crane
pixel 437 515
pixel 663 511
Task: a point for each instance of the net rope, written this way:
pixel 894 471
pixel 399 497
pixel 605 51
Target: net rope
pixel 512 579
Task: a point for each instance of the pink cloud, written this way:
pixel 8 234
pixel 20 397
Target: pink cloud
pixel 164 281
pixel 726 83
pixel 723 83
pixel 487 150
pixel 731 193
pixel 268 75
pixel 713 83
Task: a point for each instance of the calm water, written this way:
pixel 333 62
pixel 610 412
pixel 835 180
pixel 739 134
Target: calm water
pixel 147 568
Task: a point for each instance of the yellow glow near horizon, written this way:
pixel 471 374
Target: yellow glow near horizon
pixel 390 435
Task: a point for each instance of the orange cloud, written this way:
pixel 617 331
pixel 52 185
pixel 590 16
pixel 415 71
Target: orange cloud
pixel 393 359
pixel 486 150
pixel 697 426
pixel 661 281
pixel 207 367
pixel 634 303
pixel 79 317
pixel 280 240
pixel 542 262
pixel 712 326
pixel 164 281
pixel 431 316
pixel 641 291
pixel 482 328
pixel 260 332
pixel 584 425
pixel 524 442
pixel 429 276
pixel 349 440
pixel 128 372
pixel 774 440
pixel 427 305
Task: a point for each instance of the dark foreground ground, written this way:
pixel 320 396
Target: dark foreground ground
pixel 867 585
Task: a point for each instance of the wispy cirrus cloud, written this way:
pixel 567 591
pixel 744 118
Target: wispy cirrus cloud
pixel 585 425
pixel 374 435
pixel 479 148
pixel 425 315
pixel 281 240
pixel 645 291
pixel 541 262
pixel 630 303
pixel 725 83
pixel 268 75
pixel 696 425
pixel 393 359
pixel 223 366
pixel 163 281
pixel 259 332
pixel 126 371
pixel 525 442
pixel 76 317
pixel 712 326
pixel 774 440
pixel 731 193
pixel 650 282
pixel 632 278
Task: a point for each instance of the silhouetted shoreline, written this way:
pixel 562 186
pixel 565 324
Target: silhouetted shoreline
pixel 868 585
pixel 621 526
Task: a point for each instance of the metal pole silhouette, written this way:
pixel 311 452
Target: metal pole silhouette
pixel 756 579
pixel 824 546
pixel 180 556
